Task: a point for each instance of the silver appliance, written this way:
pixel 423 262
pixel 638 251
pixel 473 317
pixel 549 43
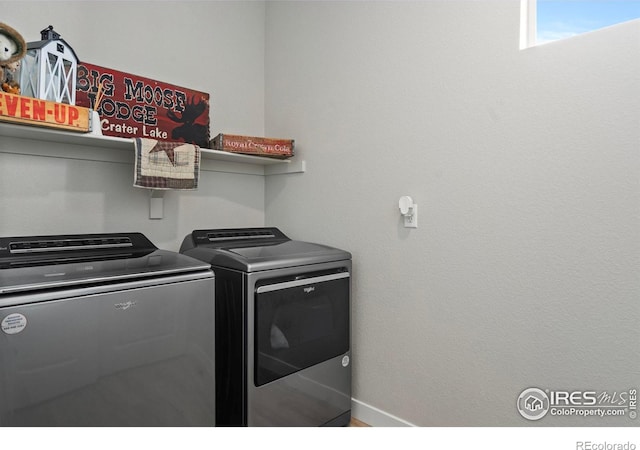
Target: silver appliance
pixel 104 330
pixel 283 354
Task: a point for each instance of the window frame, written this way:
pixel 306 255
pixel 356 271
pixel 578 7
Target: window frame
pixel 528 23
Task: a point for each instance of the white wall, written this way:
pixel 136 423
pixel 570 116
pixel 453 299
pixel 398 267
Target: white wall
pixel 216 47
pixel 524 269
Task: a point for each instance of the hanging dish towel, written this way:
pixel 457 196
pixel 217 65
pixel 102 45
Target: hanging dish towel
pixel 166 165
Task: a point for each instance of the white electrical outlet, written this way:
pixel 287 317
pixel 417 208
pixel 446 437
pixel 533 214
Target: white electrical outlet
pixel 411 221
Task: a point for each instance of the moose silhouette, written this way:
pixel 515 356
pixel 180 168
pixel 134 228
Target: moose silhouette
pixel 189 131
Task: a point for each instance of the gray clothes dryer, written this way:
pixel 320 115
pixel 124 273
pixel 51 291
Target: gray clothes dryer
pixel 283 352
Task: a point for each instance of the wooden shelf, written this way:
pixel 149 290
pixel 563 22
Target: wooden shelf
pixel 92 147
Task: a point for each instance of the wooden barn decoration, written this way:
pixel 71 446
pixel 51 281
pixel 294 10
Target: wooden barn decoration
pixel 49 69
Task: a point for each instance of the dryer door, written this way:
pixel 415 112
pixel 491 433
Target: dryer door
pixel 300 322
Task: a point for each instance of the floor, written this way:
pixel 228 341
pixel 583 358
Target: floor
pixel 357 423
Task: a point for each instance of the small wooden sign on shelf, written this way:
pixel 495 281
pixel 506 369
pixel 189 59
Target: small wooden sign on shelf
pixel 33 111
pixel 253 145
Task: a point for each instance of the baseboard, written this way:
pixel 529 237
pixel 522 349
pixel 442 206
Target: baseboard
pixel 376 417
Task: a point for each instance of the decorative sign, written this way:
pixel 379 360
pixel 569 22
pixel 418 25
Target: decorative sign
pixel 253 145
pixel 131 106
pixel 33 111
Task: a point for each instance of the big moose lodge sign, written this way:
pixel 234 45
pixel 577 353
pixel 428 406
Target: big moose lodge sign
pixel 132 106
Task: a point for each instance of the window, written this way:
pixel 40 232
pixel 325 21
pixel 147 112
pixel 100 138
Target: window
pixel 550 20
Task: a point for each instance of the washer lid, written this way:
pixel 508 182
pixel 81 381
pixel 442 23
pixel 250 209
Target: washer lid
pixel 269 249
pixel 46 262
pixel 285 254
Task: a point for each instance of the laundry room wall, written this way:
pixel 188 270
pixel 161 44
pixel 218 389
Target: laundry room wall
pixel 215 47
pixel 523 271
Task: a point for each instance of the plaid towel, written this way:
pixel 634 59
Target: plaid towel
pixel 166 165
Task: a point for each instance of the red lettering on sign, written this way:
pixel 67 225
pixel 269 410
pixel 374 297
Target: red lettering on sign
pixel 25 108
pixel 12 104
pixel 59 112
pixel 39 110
pixel 74 113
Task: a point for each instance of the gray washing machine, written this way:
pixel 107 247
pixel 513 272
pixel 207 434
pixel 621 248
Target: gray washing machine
pixel 104 330
pixel 283 351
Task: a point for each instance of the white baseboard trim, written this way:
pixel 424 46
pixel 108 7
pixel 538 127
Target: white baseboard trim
pixel 375 417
